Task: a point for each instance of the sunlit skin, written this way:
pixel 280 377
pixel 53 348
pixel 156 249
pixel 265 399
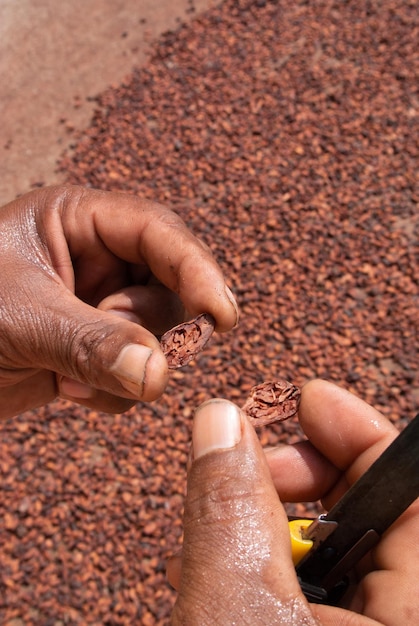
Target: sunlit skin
pixel 236 567
pixel 89 280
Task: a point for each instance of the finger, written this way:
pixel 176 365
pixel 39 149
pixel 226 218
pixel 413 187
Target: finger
pixel 111 354
pixel 390 592
pixel 64 335
pixel 121 305
pixel 236 537
pixel 128 304
pixel 146 233
pixel 29 393
pixel 345 434
pixel 347 430
pixel 96 399
pixel 300 472
pixel 155 307
pixel 333 616
pixel 174 570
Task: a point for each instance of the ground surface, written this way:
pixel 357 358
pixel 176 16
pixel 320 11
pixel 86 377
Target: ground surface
pixel 286 135
pixel 54 57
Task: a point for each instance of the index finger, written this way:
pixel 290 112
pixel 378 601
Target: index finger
pixel 349 432
pixel 143 232
pixel 345 436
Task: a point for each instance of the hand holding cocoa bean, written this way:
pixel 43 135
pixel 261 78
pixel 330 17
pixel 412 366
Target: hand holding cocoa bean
pixel 79 266
pixel 236 558
pixel 267 403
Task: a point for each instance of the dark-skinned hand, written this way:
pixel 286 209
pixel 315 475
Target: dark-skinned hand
pixel 88 282
pixel 236 565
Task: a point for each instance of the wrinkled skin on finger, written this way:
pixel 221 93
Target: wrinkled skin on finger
pixel 235 536
pixel 236 543
pixel 85 274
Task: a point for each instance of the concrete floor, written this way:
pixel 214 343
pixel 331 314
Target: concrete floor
pixel 54 56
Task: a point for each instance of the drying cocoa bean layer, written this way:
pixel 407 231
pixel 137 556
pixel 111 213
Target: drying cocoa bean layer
pixel 286 136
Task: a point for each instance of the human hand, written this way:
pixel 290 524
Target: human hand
pixel 88 279
pixel 236 565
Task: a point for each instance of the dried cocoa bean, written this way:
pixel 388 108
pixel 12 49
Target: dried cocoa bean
pixel 182 343
pixel 272 402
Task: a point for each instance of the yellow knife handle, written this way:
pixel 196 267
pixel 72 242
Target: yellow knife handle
pixel 299 545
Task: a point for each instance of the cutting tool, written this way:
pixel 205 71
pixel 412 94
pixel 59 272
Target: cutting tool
pixel 327 548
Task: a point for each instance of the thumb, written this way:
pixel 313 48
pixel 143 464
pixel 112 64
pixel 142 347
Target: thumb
pixel 77 341
pixel 236 553
pixel 111 353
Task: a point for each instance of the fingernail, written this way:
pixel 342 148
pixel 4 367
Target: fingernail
pixel 217 426
pixel 233 302
pixel 130 367
pixel 74 389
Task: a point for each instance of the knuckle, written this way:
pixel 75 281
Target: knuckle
pixel 226 497
pixel 167 221
pixel 83 350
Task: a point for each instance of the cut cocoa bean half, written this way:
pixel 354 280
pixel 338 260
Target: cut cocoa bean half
pixel 182 343
pixel 272 402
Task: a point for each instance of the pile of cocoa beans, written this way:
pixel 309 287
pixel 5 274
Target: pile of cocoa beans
pixel 286 136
